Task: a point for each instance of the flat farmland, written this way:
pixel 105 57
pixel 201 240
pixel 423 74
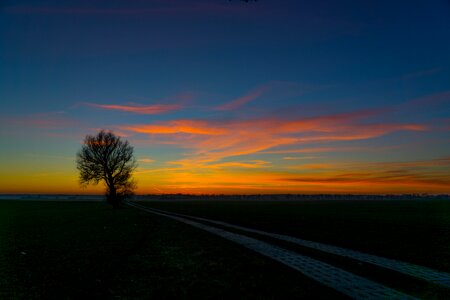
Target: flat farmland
pixel 73 250
pixel 411 231
pixel 417 231
pixel 87 250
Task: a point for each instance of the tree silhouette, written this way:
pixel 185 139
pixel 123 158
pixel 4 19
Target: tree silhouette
pixel 106 157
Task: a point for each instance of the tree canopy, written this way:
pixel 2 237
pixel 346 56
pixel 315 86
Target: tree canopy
pixel 107 158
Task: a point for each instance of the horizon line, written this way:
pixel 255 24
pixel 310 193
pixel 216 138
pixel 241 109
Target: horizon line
pixel 218 194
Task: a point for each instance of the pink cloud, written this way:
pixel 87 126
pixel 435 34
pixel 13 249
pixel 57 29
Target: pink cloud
pixel 140 109
pixel 238 102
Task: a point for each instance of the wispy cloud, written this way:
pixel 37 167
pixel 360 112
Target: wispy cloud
pixel 151 8
pixel 240 101
pixel 424 173
pixel 145 160
pixel 313 150
pixel 211 141
pixel 422 73
pixel 250 164
pixel 298 157
pixel 387 166
pixel 318 178
pixel 277 89
pixel 178 126
pixel 433 99
pixel 364 180
pixel 138 108
pixel 438 162
pixel 317 166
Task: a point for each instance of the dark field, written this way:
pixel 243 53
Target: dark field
pixel 73 250
pixel 413 231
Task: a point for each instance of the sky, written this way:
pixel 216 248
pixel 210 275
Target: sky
pixel 221 96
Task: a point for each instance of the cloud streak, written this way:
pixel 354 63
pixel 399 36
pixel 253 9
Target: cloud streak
pixel 212 141
pixel 146 160
pixel 313 150
pixel 155 8
pixel 385 177
pixel 138 108
pixel 179 126
pixel 278 90
pixel 384 174
pixel 240 101
pixel 400 176
pixel 422 73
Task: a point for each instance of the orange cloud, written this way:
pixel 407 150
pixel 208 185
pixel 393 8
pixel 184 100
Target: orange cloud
pixel 313 150
pixel 332 178
pixel 178 126
pixel 316 166
pixel 407 176
pixel 327 123
pixel 391 167
pixel 351 132
pixel 140 109
pixel 298 157
pixel 212 141
pixel 248 164
pixel 368 180
pixel 438 162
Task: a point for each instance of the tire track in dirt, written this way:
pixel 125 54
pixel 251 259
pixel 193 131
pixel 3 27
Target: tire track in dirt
pixel 420 272
pixel 352 285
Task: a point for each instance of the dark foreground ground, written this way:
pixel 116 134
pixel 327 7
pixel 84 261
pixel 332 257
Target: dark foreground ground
pixel 73 250
pixel 417 231
pixel 54 250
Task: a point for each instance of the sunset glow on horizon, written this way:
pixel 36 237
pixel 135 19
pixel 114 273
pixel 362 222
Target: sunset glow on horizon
pixel 221 97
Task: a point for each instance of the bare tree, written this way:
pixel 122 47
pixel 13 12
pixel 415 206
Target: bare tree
pixel 106 157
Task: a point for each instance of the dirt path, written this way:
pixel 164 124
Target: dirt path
pixel 420 272
pixel 352 285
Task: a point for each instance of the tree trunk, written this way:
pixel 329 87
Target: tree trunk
pixel 112 197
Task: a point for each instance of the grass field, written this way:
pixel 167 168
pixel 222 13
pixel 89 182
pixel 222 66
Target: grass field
pixel 73 250
pixel 414 231
pixel 56 250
